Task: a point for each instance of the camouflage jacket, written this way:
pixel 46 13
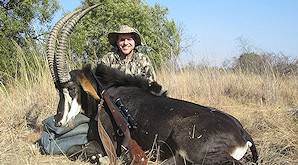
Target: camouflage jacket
pixel 139 65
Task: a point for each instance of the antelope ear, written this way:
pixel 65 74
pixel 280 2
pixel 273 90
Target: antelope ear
pixel 85 83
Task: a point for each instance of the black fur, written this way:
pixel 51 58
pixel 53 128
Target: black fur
pixel 205 134
pixel 112 77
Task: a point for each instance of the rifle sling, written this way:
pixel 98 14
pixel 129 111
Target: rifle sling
pixel 135 150
pixel 117 116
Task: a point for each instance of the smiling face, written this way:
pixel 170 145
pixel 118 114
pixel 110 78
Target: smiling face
pixel 126 44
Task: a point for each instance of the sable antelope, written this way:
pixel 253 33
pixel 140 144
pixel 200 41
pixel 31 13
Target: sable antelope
pixel 192 133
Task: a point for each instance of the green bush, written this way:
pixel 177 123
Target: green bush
pixel 19 21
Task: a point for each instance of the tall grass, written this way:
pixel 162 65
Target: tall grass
pixel 261 103
pixel 29 96
pixel 219 86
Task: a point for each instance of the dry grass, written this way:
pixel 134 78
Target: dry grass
pixel 31 92
pixel 259 102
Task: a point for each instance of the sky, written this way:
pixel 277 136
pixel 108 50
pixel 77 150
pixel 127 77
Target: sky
pixel 211 28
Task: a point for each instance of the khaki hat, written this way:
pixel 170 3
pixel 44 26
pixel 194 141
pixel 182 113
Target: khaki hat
pixel 124 29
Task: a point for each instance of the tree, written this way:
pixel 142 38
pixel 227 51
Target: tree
pixel 18 22
pixel 160 36
pixel 265 63
pixel 260 62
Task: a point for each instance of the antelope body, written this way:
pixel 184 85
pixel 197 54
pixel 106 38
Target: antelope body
pixel 188 133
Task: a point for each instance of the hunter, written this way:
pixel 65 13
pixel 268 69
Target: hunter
pixel 125 57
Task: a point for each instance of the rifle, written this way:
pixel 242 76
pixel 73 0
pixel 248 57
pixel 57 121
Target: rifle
pixel 138 155
pixel 136 152
pixel 132 124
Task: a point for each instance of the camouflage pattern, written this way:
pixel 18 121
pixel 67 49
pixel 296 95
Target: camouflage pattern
pixel 139 65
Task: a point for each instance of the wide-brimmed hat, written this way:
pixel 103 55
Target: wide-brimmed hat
pixel 124 29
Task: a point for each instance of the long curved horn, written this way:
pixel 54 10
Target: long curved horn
pixel 51 44
pixel 62 67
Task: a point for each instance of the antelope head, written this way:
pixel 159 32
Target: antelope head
pixel 69 101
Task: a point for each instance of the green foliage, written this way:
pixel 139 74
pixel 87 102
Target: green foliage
pixel 160 36
pixel 21 19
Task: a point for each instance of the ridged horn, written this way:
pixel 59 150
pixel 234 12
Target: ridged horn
pixel 51 44
pixel 62 67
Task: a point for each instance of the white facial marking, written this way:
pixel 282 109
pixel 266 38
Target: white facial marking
pixel 74 109
pixel 67 103
pixel 239 152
